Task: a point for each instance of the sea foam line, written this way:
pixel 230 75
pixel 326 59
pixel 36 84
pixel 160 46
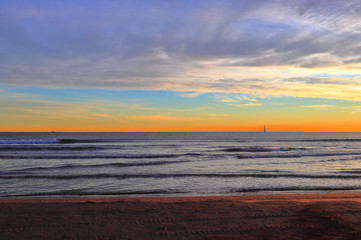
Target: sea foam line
pixel 71 166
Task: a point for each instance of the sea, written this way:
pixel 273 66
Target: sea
pixel 177 164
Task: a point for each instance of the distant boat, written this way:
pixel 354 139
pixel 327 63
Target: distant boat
pixel 264 128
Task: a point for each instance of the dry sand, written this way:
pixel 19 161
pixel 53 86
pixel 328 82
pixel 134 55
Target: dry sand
pixel 318 216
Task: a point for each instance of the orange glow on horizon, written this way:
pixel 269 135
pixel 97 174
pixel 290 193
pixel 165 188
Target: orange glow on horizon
pixel 171 127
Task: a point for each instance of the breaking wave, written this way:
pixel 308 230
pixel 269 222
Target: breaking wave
pixel 110 156
pixel 258 149
pixel 72 166
pixel 298 155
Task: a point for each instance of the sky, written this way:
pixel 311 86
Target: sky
pixel 134 66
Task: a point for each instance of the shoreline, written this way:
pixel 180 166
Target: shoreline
pixel 288 216
pixel 303 197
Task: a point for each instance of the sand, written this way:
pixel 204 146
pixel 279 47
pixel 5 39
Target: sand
pixel 318 216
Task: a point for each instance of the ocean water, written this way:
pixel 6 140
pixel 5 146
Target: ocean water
pixel 185 164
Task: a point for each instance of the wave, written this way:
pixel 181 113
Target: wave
pixel 59 141
pixel 35 147
pixel 183 175
pixel 329 140
pixel 354 171
pixel 72 166
pixel 91 153
pixel 70 140
pixel 34 141
pixel 299 155
pixel 112 156
pixel 42 141
pixel 259 149
pixel 99 193
pixel 302 188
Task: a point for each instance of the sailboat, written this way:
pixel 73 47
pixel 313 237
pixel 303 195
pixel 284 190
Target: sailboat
pixel 264 128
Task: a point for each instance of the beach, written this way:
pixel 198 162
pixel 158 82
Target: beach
pixel 306 216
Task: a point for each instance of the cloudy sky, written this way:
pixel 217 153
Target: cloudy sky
pixel 293 65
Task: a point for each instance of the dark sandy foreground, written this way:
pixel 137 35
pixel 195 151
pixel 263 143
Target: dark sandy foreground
pixel 336 216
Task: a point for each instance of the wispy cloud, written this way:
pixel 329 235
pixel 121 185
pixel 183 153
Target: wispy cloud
pixel 357 111
pixel 189 94
pixel 16 104
pixel 246 47
pixel 247 105
pixel 233 97
pixel 170 118
pixel 318 106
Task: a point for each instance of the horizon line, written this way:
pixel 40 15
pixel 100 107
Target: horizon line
pixel 179 132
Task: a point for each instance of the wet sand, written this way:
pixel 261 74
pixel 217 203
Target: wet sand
pixel 317 216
